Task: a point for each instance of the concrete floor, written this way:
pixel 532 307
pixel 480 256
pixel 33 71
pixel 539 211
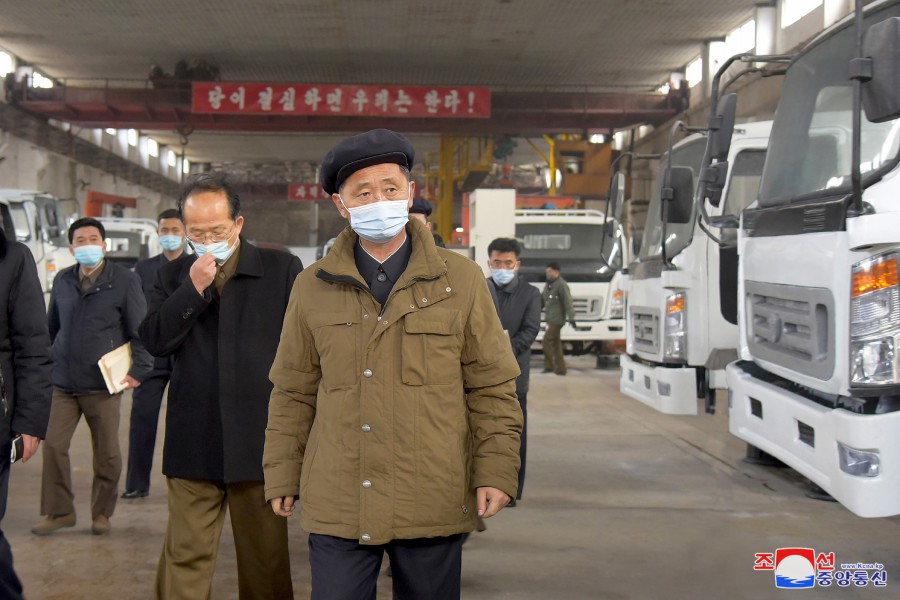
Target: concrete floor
pixel 620 502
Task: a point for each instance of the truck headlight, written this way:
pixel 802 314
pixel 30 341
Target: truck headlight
pixel 617 307
pixel 874 321
pixel 861 463
pixel 675 346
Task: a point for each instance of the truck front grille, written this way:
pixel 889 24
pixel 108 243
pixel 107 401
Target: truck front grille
pixel 791 326
pixel 645 328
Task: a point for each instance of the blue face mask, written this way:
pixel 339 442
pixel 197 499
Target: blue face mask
pixel 89 256
pixel 220 250
pixel 503 276
pixel 379 222
pixel 171 243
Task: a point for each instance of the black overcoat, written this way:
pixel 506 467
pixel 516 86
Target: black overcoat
pixel 24 344
pixel 223 347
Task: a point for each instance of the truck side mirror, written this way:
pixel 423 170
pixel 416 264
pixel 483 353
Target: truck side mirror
pixel 721 127
pixel 679 194
pixel 879 94
pixel 617 195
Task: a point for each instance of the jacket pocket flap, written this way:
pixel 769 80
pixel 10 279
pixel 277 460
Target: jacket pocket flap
pixel 322 319
pixel 437 321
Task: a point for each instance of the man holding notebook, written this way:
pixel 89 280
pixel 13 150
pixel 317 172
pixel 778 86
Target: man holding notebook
pixel 96 306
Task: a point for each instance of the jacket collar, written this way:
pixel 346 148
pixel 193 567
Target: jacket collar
pixel 425 262
pixel 250 261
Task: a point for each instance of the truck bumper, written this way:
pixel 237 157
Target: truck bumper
pixel 670 391
pixel 804 435
pixel 589 331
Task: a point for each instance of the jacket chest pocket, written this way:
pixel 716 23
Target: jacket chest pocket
pixel 338 337
pixel 431 347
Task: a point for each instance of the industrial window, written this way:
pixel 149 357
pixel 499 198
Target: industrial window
pixel 7 63
pixel 794 10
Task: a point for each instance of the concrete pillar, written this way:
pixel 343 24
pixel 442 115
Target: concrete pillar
pixel 766 29
pixel 835 10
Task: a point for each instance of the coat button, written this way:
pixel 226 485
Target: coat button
pixel 366 483
pixel 365 537
pixel 381 277
pixel 367 373
pixel 366 427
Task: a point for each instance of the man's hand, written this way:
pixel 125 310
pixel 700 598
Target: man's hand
pixel 131 382
pixel 203 272
pixel 283 507
pixel 31 446
pixel 490 501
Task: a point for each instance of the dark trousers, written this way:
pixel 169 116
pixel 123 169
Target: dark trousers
pixel 422 569
pixel 10 586
pixel 523 402
pixel 553 349
pixel 145 405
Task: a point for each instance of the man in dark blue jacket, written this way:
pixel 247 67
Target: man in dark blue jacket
pixel 519 306
pixel 24 376
pixel 148 397
pixel 96 306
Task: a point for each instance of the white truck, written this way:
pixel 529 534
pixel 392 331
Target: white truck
pixel 591 251
pixel 36 219
pixel 130 240
pixel 818 381
pixel 682 314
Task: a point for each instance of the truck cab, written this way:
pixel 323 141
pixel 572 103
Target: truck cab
pixel 817 385
pixel 592 251
pixel 35 219
pixel 682 314
pixel 130 240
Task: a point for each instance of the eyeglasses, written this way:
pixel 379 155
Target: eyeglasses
pixel 214 237
pixel 504 264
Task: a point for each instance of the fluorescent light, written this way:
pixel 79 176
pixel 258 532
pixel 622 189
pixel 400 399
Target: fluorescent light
pixel 171 159
pixel 186 166
pixel 597 138
pixel 132 137
pixel 152 147
pixel 110 131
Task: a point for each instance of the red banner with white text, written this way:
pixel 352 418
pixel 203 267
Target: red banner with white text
pixel 282 99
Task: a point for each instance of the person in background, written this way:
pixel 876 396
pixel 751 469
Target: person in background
pixel 558 309
pixel 218 313
pixel 95 307
pixel 25 369
pixel 519 306
pixel 421 210
pixel 393 416
pixel 147 398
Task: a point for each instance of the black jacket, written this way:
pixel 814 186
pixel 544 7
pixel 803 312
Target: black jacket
pixel 223 347
pixel 147 270
pixel 519 305
pixel 24 344
pixel 85 325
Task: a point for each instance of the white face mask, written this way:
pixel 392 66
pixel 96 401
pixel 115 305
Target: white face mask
pixel 381 221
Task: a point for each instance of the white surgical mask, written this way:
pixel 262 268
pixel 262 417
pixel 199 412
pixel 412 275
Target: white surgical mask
pixel 379 222
pixel 503 276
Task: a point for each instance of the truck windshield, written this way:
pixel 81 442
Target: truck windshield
pixel 20 221
pixel 678 235
pixel 810 145
pixel 583 252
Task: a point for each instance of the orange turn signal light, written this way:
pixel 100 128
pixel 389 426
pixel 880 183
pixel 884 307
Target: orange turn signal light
pixel 875 276
pixel 675 304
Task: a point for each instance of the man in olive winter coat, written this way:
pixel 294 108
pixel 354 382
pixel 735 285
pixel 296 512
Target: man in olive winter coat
pixel 394 416
pixel 558 309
